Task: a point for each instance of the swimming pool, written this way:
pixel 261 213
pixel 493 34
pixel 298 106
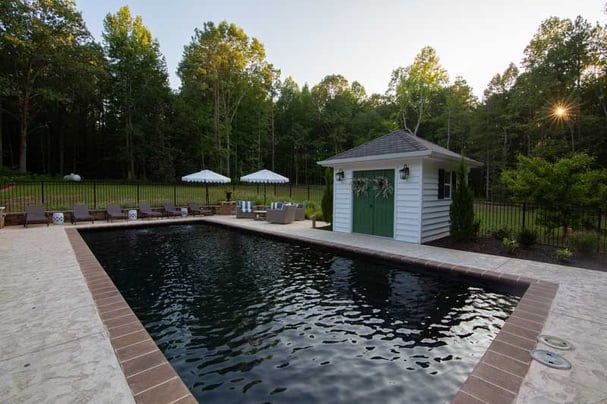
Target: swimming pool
pixel 250 319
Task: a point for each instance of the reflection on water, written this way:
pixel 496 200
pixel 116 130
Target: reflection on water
pixel 248 319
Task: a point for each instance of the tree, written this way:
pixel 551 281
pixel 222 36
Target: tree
pixel 222 63
pixel 336 102
pixel 455 120
pixel 562 189
pixel 137 91
pixel 413 87
pixel 37 40
pixel 461 211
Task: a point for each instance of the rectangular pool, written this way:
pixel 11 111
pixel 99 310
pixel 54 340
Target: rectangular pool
pixel 244 318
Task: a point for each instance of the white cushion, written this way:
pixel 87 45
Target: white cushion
pixel 246 207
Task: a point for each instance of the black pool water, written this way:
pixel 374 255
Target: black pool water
pixel 249 319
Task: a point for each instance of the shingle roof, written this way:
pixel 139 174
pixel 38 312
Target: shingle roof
pixel 395 142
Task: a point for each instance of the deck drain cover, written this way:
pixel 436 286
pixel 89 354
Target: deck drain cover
pixel 555 342
pixel 550 359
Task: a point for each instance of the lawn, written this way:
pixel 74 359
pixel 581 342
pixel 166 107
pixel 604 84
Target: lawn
pixel 61 196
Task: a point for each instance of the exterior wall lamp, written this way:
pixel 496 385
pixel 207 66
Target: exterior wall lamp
pixel 404 172
pixel 340 175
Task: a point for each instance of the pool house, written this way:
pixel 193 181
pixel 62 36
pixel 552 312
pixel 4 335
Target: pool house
pixel 397 186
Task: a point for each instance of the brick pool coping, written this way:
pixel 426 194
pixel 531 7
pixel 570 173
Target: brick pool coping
pixel 148 373
pixel 496 378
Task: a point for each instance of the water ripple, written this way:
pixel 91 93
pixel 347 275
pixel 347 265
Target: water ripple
pixel 247 319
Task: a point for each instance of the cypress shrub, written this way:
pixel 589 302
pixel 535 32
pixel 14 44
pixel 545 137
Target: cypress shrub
pixel 461 212
pixel 327 197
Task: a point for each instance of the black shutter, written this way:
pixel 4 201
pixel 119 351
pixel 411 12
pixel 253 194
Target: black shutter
pixel 453 184
pixel 441 183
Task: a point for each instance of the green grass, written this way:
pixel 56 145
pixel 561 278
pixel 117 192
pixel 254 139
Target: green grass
pixel 62 196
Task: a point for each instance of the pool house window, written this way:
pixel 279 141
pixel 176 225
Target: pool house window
pixel 446 182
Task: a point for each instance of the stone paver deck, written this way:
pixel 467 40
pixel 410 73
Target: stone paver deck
pixel 54 346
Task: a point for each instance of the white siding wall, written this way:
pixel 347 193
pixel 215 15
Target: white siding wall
pixel 408 204
pixel 435 212
pixel 342 203
pixel 419 215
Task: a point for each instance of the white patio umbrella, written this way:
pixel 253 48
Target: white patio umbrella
pixel 264 177
pixel 207 177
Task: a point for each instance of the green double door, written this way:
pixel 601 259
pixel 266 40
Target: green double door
pixel 373 204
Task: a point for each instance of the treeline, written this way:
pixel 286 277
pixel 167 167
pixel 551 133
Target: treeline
pixel 105 110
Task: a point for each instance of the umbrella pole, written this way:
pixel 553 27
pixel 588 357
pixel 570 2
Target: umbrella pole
pixel 207 189
pixel 264 194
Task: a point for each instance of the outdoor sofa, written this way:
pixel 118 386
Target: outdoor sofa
pixel 300 211
pixel 283 215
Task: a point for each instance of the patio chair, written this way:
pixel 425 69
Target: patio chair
pixel 113 211
pixel 170 210
pixel 285 215
pixel 194 208
pixel 300 211
pixel 146 211
pixel 81 213
pixel 35 214
pixel 244 210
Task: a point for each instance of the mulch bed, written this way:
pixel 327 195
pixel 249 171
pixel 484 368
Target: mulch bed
pixel 539 253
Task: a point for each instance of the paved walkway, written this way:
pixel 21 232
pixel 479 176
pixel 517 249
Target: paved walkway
pixel 54 347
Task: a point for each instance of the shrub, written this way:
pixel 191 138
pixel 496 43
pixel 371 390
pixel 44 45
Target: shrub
pixel 527 237
pixel 510 245
pixel 312 208
pixel 461 212
pixel 584 243
pixel 502 233
pixel 477 227
pixel 562 254
pixel 327 197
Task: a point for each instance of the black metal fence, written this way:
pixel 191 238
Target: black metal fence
pixel 62 195
pixel 514 217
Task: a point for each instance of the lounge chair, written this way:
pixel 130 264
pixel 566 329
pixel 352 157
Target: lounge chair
pixel 170 210
pixel 113 211
pixel 194 209
pixel 285 215
pixel 35 214
pixel 81 213
pixel 244 210
pixel 146 211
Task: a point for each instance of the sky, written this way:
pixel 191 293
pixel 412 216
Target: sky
pixel 363 40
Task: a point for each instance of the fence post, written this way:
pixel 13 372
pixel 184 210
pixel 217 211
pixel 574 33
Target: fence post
pixel 524 214
pixel 137 193
pixel 291 190
pixel 598 230
pixel 174 194
pixel 94 195
pixel 42 191
pixel 308 191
